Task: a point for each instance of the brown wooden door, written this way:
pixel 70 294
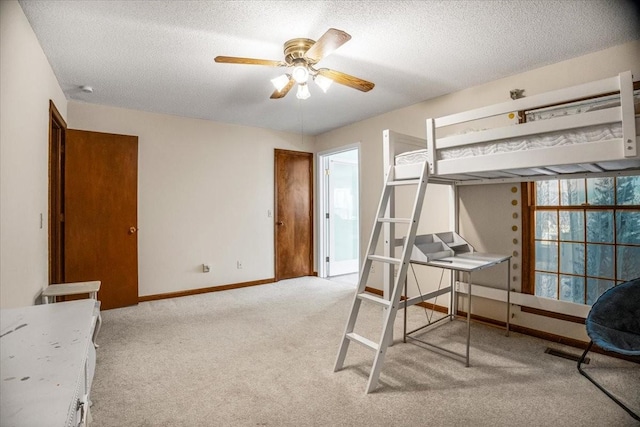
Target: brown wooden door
pixel 294 214
pixel 101 193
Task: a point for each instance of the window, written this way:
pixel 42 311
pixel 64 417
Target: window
pixel 584 236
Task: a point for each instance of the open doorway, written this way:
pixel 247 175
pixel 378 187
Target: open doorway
pixel 339 212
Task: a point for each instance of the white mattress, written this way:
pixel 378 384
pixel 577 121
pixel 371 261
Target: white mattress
pixel 552 139
pixel 411 157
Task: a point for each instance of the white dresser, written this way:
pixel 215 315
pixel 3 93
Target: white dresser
pixel 47 363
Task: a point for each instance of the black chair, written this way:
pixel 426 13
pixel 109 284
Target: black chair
pixel 613 324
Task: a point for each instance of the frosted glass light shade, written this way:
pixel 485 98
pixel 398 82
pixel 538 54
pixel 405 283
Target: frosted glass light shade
pixel 303 92
pixel 323 82
pixel 300 74
pixel 280 82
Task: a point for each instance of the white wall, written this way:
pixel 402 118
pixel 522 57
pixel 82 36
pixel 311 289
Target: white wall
pixel 204 193
pixel 27 83
pixel 486 211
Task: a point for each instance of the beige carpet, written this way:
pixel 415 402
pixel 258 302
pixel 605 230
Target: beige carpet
pixel 263 356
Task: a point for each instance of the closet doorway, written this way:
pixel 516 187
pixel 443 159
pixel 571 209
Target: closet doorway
pixel 93 195
pixel 339 211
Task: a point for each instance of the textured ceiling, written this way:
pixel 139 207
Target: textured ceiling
pixel 157 56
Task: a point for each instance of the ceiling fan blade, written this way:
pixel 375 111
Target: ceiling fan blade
pixel 346 79
pixel 277 94
pixel 330 41
pixel 249 61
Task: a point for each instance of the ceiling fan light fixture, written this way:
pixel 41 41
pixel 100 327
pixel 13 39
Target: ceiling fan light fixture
pixel 280 82
pixel 323 82
pixel 301 57
pixel 300 74
pixel 303 91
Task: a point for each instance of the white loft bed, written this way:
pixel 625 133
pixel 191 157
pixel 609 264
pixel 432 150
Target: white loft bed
pixel 597 134
pixel 549 147
pixel 515 152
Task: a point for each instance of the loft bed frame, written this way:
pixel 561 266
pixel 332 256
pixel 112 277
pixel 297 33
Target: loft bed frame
pixel 494 155
pixel 615 156
pixel 611 155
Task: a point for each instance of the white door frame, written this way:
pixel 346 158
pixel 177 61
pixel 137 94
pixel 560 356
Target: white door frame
pixel 322 204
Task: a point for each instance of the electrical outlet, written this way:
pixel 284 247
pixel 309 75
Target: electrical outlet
pixel 373 270
pixel 206 268
pixel 239 265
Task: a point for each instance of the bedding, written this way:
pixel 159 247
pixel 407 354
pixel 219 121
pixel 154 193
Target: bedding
pixel 587 134
pixel 552 139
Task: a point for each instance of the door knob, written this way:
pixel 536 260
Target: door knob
pixel 279 223
pixel 132 230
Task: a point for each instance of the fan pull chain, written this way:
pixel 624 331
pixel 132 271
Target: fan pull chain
pixel 301 122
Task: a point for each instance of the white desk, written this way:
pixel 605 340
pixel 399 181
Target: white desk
pixel 47 364
pixel 466 263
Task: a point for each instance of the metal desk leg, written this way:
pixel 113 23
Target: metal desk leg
pixel 468 317
pixel 404 332
pixel 453 296
pixel 454 280
pixel 508 294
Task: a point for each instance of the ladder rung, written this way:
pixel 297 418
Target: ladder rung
pixel 396 220
pixel 404 182
pixel 386 259
pixel 352 336
pixel 374 298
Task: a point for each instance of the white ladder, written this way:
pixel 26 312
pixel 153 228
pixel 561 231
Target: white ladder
pixel 390 306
